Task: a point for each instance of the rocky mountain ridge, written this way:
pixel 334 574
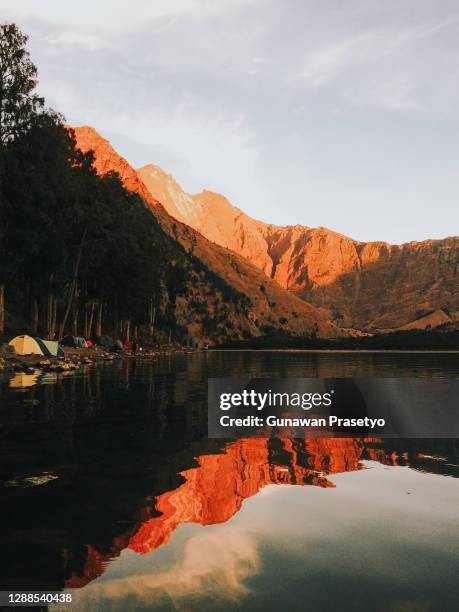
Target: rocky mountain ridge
pixel 369 285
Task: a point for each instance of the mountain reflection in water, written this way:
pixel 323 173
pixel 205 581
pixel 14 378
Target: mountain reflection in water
pixel 120 459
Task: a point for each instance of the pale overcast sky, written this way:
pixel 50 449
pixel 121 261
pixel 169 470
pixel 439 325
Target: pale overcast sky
pixel 337 113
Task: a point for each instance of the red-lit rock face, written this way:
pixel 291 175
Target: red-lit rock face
pixel 214 491
pixel 371 285
pixel 374 285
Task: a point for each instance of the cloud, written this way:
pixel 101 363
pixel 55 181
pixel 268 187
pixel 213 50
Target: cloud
pixel 394 93
pixel 103 14
pixel 293 110
pixel 379 61
pixel 67 38
pixel 114 15
pixel 214 564
pixel 324 64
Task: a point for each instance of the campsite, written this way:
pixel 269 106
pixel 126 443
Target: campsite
pixel 26 356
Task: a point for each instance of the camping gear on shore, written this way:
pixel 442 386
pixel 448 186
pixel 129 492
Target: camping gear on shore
pixel 118 346
pixel 106 342
pixel 26 345
pixel 50 348
pixel 74 342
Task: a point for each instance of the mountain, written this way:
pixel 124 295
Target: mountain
pixel 226 296
pixel 150 484
pixel 216 488
pixel 367 285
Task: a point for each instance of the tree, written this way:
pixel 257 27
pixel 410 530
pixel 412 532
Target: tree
pixel 38 187
pixel 18 106
pixel 18 79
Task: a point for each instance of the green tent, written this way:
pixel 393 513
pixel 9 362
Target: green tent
pixel 105 342
pixel 74 342
pixel 50 348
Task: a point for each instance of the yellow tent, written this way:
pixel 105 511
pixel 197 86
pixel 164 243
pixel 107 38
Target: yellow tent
pixel 25 345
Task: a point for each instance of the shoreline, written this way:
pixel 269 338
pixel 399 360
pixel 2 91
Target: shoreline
pixel 293 350
pixel 69 362
pixel 97 354
pixel 75 358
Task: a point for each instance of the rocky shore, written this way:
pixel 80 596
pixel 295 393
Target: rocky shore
pixel 73 359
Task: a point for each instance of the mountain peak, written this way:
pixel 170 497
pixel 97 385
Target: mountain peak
pixel 152 169
pixel 106 159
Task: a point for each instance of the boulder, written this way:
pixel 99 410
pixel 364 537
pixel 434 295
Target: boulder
pixel 6 350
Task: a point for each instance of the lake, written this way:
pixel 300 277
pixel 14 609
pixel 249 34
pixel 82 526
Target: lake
pixel 112 491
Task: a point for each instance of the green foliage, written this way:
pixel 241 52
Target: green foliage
pixel 18 78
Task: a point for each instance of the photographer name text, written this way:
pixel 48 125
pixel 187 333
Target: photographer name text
pixel 322 422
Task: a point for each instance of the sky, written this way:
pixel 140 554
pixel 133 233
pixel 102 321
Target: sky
pixel 323 113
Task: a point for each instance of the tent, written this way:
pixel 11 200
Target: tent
pixel 50 348
pixel 105 341
pixel 74 342
pixel 25 345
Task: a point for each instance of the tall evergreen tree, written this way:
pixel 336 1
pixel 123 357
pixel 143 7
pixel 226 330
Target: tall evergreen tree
pixel 18 106
pixel 18 78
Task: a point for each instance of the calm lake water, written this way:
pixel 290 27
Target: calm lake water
pixel 111 489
